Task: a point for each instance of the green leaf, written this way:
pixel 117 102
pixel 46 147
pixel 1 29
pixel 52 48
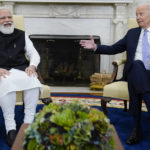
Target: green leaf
pixel 67 138
pixel 66 118
pixel 112 143
pixel 90 147
pixel 40 147
pixel 82 115
pixel 54 130
pixel 32 144
pixel 44 126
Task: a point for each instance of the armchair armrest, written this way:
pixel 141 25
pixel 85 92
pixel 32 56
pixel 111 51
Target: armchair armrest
pixel 119 62
pixel 116 64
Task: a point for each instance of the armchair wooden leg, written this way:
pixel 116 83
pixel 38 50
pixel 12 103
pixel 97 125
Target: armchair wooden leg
pixel 104 102
pixel 125 106
pixel 46 101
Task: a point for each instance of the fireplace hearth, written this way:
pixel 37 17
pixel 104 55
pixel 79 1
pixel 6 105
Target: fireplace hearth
pixel 63 61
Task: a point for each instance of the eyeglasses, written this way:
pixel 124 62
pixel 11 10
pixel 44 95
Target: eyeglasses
pixel 4 17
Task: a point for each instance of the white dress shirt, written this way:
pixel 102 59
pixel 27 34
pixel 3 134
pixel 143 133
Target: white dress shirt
pixel 138 53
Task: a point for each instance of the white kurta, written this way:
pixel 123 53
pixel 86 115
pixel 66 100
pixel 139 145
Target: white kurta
pixel 18 80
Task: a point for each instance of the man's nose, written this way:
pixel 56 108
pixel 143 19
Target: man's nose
pixel 137 18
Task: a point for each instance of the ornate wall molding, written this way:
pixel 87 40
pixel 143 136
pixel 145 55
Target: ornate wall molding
pixel 70 1
pixel 64 11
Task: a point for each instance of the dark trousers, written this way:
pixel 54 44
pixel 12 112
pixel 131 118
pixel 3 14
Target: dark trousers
pixel 138 84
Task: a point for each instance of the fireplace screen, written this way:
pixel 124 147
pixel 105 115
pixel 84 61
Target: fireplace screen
pixel 64 61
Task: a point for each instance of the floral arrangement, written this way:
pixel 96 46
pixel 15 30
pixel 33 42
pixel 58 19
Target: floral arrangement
pixel 69 126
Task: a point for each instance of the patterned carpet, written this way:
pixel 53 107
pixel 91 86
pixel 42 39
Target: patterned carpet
pixel 91 100
pixel 120 119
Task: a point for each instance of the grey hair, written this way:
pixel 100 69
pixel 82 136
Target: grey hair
pixel 144 4
pixel 4 8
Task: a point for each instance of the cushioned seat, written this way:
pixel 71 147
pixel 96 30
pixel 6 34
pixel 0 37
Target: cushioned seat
pixel 46 94
pixel 117 90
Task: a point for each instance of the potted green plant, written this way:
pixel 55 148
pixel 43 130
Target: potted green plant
pixel 69 126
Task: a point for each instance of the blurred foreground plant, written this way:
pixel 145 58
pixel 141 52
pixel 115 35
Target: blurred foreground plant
pixel 69 126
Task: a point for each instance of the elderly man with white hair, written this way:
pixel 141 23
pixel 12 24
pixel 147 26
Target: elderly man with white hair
pixel 16 73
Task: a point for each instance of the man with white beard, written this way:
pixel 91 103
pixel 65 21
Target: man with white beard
pixel 16 73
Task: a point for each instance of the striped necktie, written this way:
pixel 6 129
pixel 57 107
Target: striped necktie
pixel 146 50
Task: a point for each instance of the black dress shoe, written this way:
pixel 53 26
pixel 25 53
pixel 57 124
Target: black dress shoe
pixel 134 137
pixel 11 137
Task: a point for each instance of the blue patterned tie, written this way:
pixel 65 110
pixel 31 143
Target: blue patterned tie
pixel 146 50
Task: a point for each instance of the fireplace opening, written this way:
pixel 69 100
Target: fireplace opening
pixel 63 61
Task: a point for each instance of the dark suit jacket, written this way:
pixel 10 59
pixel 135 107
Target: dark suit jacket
pixel 128 44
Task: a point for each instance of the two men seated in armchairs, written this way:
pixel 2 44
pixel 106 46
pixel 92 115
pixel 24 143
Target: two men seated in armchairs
pixel 16 73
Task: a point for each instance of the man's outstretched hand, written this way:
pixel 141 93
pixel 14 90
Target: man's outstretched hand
pixel 88 44
pixel 31 71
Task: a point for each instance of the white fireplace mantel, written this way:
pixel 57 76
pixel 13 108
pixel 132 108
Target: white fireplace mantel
pixel 70 1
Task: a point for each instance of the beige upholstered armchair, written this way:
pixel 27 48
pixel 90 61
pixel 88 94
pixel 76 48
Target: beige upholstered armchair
pixel 19 23
pixel 117 89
